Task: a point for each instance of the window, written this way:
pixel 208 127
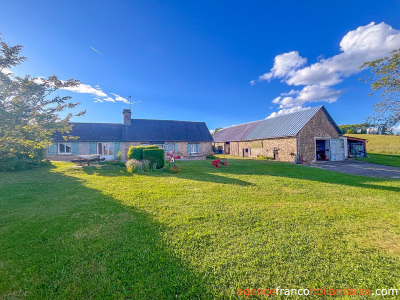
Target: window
pixel 193 148
pixel 169 148
pixel 64 148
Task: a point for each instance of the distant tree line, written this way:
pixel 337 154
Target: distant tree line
pixel 366 128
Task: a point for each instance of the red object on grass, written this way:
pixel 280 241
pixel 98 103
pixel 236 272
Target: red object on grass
pixel 215 163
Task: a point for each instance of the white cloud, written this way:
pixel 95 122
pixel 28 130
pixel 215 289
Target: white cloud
pixel 284 65
pixel 99 95
pixel 252 82
pixel 87 89
pixel 366 43
pixel 363 44
pixel 286 111
pixel 119 98
pixel 6 71
pixel 309 94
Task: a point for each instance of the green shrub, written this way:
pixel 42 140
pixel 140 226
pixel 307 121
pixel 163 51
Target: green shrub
pixel 145 165
pixel 155 156
pixel 21 157
pixel 136 152
pixel 211 156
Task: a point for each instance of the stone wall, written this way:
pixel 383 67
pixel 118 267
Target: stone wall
pixel 286 148
pixel 318 127
pixel 205 149
pixel 84 148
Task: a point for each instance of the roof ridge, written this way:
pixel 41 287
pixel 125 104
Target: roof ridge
pixel 169 120
pixel 296 112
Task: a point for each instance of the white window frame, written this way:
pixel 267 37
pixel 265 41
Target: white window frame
pixel 66 145
pixel 193 146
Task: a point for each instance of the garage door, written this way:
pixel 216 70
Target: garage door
pixel 337 149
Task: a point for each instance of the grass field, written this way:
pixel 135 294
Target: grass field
pixel 380 144
pixel 381 149
pixel 204 233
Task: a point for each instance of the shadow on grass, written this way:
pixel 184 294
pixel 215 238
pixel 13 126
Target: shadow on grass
pixel 70 241
pixel 197 174
pixel 204 171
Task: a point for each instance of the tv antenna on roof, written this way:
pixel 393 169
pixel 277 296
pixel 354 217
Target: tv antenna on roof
pixel 130 102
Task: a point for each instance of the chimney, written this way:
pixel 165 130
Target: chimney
pixel 127 116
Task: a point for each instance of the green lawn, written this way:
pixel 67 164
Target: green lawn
pixel 204 233
pixel 381 149
pixel 382 159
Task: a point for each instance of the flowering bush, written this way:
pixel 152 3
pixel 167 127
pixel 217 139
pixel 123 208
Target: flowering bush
pixel 133 165
pixel 172 167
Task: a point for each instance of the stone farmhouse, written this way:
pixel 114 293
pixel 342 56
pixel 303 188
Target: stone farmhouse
pixel 189 140
pixel 302 137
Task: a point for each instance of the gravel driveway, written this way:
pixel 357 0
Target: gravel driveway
pixel 356 167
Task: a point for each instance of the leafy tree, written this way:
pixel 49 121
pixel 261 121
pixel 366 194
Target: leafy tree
pixel 216 130
pixel 29 112
pixel 385 77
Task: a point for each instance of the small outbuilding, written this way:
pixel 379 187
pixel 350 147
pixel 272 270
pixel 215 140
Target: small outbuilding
pixel 356 147
pixel 302 137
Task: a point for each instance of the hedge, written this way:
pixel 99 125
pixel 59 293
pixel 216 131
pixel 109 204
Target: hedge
pixel 136 152
pixel 155 156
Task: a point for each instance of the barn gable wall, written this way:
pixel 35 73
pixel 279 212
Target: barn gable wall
pixel 318 127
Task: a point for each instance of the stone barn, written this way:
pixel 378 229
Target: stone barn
pixel 301 137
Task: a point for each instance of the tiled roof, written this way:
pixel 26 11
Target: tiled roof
pixel 141 131
pixel 166 130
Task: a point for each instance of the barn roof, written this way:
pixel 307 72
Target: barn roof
pixel 234 133
pixel 141 130
pixel 281 126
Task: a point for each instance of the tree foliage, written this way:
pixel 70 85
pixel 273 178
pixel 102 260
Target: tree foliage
pixel 353 128
pixel 216 130
pixel 385 77
pixel 29 112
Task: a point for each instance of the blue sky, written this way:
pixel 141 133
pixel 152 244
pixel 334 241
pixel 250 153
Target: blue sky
pixel 220 62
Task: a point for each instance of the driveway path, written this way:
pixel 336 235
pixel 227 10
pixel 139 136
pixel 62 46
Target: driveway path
pixel 363 168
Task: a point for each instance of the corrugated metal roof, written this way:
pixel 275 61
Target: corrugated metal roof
pixel 281 126
pixel 286 125
pixel 141 130
pixel 234 133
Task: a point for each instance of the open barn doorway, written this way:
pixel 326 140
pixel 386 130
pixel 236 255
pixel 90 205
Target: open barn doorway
pixel 322 150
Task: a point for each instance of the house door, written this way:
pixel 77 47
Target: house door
pixel 337 149
pixel 106 150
